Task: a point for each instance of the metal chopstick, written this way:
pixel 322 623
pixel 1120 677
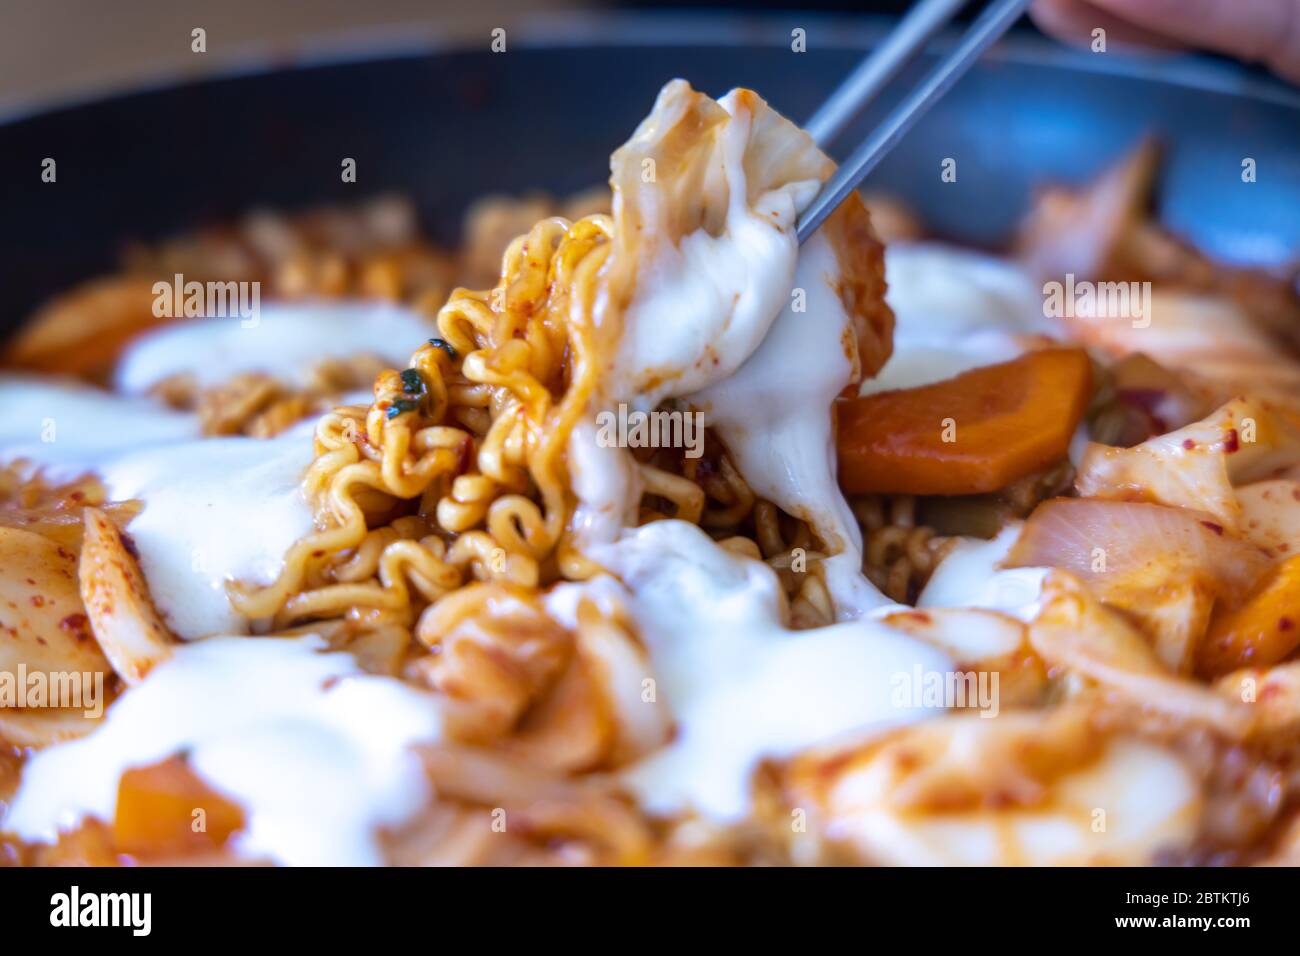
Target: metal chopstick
pixel 986 29
pixel 904 42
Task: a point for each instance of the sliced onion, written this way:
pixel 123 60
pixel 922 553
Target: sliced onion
pixel 1116 543
pixel 1164 566
pixel 1078 633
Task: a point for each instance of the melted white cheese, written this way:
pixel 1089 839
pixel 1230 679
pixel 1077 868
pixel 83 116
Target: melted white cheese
pixel 68 428
pixel 287 341
pixel 704 304
pixel 954 310
pixel 215 510
pixel 972 576
pixel 774 414
pixel 713 322
pixel 739 685
pixel 606 484
pixel 315 752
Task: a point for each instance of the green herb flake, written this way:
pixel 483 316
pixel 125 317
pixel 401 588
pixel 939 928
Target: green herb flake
pixel 402 405
pixel 445 346
pixel 412 381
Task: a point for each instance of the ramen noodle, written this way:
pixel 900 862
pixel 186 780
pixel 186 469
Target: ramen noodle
pixel 669 541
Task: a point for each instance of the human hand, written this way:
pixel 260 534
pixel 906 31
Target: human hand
pixel 1257 31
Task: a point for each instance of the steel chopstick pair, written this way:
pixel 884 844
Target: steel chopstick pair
pixel 905 42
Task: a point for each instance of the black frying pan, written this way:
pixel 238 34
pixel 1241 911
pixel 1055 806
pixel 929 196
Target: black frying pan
pixel 447 125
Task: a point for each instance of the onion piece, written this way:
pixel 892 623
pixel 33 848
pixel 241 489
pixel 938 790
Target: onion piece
pixel 1164 566
pixel 122 614
pixel 43 627
pixel 1076 632
pixel 1112 544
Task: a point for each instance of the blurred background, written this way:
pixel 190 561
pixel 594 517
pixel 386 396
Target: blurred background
pixel 51 49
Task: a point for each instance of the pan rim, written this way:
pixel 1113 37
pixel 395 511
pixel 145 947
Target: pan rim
pixel 663 29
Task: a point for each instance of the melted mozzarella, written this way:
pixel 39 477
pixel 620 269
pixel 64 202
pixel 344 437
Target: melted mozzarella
pixel 954 310
pixel 774 416
pixel 215 510
pixel 287 341
pixel 704 304
pixel 971 576
pixel 713 322
pixel 605 483
pixel 739 685
pixel 317 753
pixel 68 428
